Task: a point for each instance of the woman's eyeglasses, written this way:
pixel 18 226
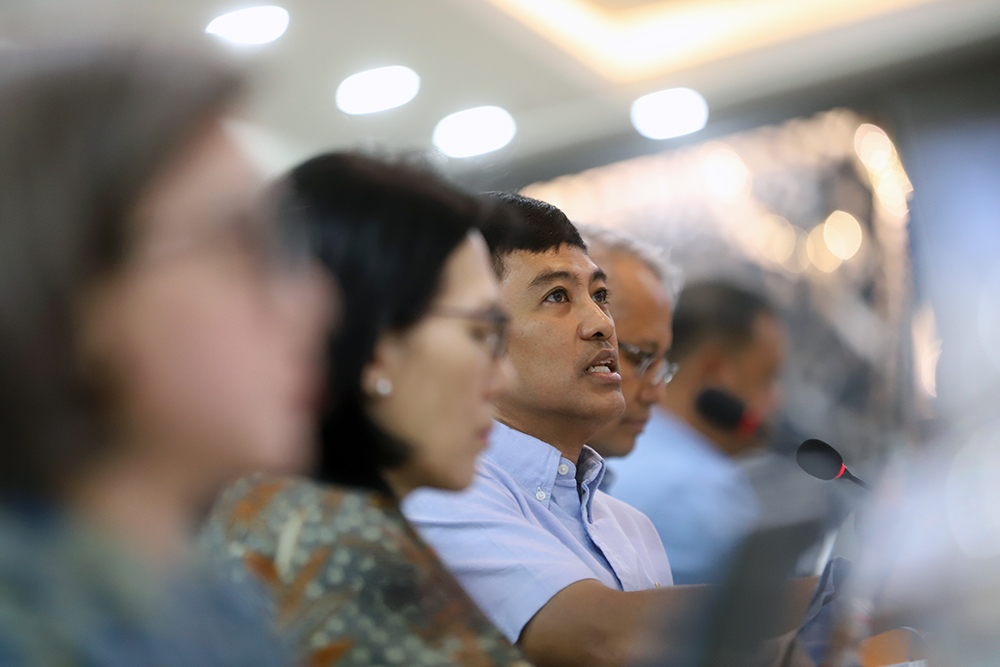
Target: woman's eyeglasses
pixel 273 247
pixel 493 320
pixel 653 368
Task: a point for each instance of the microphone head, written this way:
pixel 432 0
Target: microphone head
pixel 820 459
pixel 720 408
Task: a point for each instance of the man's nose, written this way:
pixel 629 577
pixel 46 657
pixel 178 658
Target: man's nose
pixel 649 393
pixel 596 324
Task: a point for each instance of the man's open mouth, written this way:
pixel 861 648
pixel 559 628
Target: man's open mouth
pixel 604 363
pixel 606 367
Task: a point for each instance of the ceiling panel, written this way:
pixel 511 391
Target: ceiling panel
pixel 475 52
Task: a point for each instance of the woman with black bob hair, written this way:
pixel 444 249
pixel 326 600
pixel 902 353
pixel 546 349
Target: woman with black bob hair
pixel 419 364
pixel 386 231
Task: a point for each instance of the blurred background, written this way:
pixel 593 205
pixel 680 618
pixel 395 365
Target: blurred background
pixel 840 154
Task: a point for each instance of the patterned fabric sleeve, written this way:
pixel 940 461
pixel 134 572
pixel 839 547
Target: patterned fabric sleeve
pixel 351 582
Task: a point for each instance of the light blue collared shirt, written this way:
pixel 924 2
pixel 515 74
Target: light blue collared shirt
pixel 531 524
pixel 699 499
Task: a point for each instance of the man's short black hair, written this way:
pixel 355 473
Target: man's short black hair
pixel 715 310
pixel 523 223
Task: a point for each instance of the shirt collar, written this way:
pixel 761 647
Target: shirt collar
pixel 590 474
pixel 531 462
pixel 534 464
pixel 590 468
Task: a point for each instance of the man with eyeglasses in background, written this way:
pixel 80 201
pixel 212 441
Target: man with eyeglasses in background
pixel 644 287
pixel 685 473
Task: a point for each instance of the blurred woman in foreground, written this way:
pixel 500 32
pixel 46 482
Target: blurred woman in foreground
pixel 419 365
pixel 156 340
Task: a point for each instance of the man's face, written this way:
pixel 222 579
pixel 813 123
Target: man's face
pixel 642 312
pixel 561 342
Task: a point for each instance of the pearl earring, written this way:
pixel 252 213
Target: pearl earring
pixel 383 387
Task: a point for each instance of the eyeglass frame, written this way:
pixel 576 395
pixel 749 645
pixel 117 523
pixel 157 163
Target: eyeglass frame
pixel 644 361
pixel 274 245
pixel 496 339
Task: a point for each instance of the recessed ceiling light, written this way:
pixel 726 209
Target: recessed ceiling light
pixel 474 131
pixel 253 25
pixel 377 89
pixel 669 113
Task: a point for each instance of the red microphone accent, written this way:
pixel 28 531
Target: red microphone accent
pixel 843 469
pixel 747 425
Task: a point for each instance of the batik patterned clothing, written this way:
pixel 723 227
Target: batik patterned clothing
pixel 71 598
pixel 351 581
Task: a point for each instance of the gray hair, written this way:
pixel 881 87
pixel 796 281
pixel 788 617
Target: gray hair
pixel 654 257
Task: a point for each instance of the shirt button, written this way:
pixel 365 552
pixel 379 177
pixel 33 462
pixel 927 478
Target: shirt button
pixel 563 468
pixel 540 495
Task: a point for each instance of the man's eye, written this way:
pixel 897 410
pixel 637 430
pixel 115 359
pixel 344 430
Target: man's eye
pixel 558 296
pixel 601 296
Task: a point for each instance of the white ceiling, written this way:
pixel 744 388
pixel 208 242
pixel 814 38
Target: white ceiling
pixel 471 52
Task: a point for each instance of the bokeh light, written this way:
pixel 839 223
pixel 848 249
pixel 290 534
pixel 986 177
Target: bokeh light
pixel 874 147
pixel 725 173
pixel 819 253
pixel 926 349
pixel 777 239
pixel 798 261
pixel 893 190
pixel 842 234
pixel 889 180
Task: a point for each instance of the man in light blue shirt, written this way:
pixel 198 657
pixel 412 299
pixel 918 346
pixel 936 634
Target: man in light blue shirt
pixel 561 567
pixel 698 497
pixel 645 286
pixel 684 472
pixel 533 523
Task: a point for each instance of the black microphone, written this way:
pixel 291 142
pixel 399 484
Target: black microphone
pixel 723 410
pixel 824 462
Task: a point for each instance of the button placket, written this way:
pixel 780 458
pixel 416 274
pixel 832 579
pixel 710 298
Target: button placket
pixel 609 555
